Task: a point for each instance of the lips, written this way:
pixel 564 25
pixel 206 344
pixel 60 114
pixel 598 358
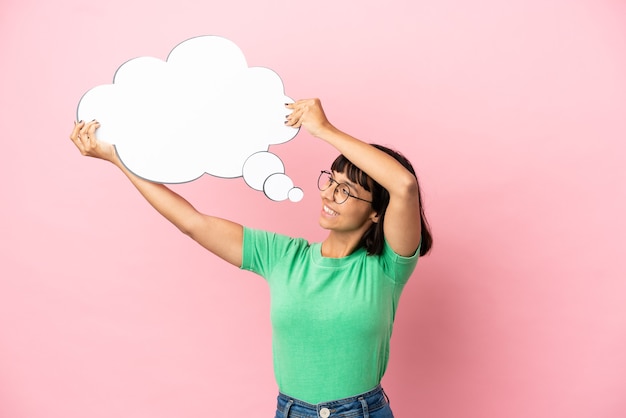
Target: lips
pixel 328 211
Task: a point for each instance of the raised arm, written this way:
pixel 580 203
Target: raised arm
pixel 220 236
pixel 402 225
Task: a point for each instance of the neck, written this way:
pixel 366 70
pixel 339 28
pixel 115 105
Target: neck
pixel 339 245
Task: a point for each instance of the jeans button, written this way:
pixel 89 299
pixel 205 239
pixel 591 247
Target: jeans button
pixel 324 412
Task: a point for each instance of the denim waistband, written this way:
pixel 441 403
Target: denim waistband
pixel 353 406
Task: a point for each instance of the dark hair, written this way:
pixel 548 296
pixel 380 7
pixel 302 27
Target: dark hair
pixel 373 239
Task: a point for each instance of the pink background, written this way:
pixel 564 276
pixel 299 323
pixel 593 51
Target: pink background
pixel 514 114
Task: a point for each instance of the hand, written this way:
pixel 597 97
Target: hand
pixel 84 137
pixel 309 114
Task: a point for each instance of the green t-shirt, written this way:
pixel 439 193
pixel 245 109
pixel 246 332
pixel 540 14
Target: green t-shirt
pixel 331 317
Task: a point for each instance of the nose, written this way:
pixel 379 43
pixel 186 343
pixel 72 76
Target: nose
pixel 328 194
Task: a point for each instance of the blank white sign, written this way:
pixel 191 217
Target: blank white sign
pixel 203 110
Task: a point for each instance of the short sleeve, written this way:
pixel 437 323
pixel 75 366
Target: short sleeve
pixel 398 267
pixel 262 250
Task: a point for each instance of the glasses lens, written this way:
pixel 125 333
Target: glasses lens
pixel 324 180
pixel 342 192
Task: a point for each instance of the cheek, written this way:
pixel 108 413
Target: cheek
pixel 360 215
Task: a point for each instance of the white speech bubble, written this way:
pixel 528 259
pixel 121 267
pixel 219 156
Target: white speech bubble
pixel 277 187
pixel 295 194
pixel 203 110
pixel 260 166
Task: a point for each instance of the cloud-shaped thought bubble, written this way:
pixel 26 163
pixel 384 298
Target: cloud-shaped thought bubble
pixel 203 110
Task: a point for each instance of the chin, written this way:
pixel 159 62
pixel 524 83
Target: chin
pixel 322 222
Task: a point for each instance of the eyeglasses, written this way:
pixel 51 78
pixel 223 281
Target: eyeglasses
pixel 342 190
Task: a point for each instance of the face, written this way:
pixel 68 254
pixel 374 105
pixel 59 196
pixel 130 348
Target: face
pixel 352 216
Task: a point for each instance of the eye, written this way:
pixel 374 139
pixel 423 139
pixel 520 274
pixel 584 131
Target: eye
pixel 344 190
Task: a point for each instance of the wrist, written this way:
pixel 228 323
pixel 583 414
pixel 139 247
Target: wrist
pixel 114 157
pixel 325 131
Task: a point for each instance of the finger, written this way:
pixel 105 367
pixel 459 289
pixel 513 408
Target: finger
pixel 297 113
pixel 92 126
pixel 296 123
pixel 76 130
pixel 83 130
pixel 86 129
pixel 290 120
pixel 76 137
pixel 91 133
pixel 294 117
pixel 298 104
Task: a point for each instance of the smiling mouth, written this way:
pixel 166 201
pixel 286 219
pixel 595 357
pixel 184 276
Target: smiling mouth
pixel 329 211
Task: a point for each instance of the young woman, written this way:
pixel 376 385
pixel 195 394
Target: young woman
pixel 332 303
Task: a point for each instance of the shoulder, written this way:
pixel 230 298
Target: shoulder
pixel 399 268
pixel 262 237
pixel 270 245
pixel 264 250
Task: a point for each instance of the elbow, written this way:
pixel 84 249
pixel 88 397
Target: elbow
pixel 189 226
pixel 407 187
pixel 186 229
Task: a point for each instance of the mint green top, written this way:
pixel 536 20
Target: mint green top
pixel 331 317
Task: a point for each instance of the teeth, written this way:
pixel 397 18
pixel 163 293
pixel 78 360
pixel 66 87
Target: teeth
pixel 329 210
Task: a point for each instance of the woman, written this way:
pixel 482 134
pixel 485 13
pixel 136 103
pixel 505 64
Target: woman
pixel 333 303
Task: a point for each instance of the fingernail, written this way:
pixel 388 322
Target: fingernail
pixel 80 121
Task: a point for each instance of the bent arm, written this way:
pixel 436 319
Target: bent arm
pixel 220 236
pixel 402 226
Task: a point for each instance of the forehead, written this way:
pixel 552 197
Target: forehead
pixel 343 178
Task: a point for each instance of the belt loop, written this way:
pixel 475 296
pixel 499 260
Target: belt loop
pixel 366 413
pixel 287 408
pixel 386 397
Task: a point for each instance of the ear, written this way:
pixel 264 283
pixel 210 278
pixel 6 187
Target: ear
pixel 374 217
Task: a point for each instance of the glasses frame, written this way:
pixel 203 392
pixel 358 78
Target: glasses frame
pixel 330 184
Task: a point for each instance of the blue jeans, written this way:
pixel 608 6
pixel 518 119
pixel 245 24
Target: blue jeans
pixel 372 404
